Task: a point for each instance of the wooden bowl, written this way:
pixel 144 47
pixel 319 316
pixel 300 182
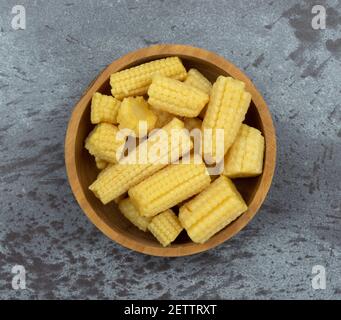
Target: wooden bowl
pixel 81 169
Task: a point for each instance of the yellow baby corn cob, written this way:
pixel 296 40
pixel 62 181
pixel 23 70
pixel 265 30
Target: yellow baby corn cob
pixel 135 81
pixel 100 164
pixel 212 210
pixel 198 80
pixel 104 143
pixel 129 211
pixel 192 123
pixel 165 227
pixel 176 97
pixel 131 114
pixel 109 165
pixel 166 188
pixel 104 108
pixel 120 198
pixel 117 179
pixel 163 117
pixel 245 157
pixel 226 110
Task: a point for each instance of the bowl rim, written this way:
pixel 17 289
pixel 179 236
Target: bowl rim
pixel 156 52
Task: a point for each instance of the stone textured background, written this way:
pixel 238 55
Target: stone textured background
pixel 43 72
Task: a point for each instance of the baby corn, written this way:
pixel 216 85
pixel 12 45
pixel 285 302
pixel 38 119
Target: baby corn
pixel 120 198
pixel 117 179
pixel 212 210
pixel 163 117
pixel 104 108
pixel 135 81
pixel 245 157
pixel 165 227
pixel 192 123
pixel 129 211
pixel 166 188
pixel 133 112
pixel 104 143
pixel 226 110
pixel 176 97
pixel 100 164
pixel 198 80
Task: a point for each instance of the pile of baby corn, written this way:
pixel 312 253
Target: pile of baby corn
pixel 164 197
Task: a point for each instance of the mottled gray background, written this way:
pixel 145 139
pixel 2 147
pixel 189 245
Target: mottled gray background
pixel 43 72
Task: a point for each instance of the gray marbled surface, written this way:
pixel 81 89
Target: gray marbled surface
pixel 43 72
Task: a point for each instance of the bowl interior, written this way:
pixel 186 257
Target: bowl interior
pixel 87 171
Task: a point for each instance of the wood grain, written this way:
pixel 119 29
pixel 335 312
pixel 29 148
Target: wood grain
pixel 81 168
